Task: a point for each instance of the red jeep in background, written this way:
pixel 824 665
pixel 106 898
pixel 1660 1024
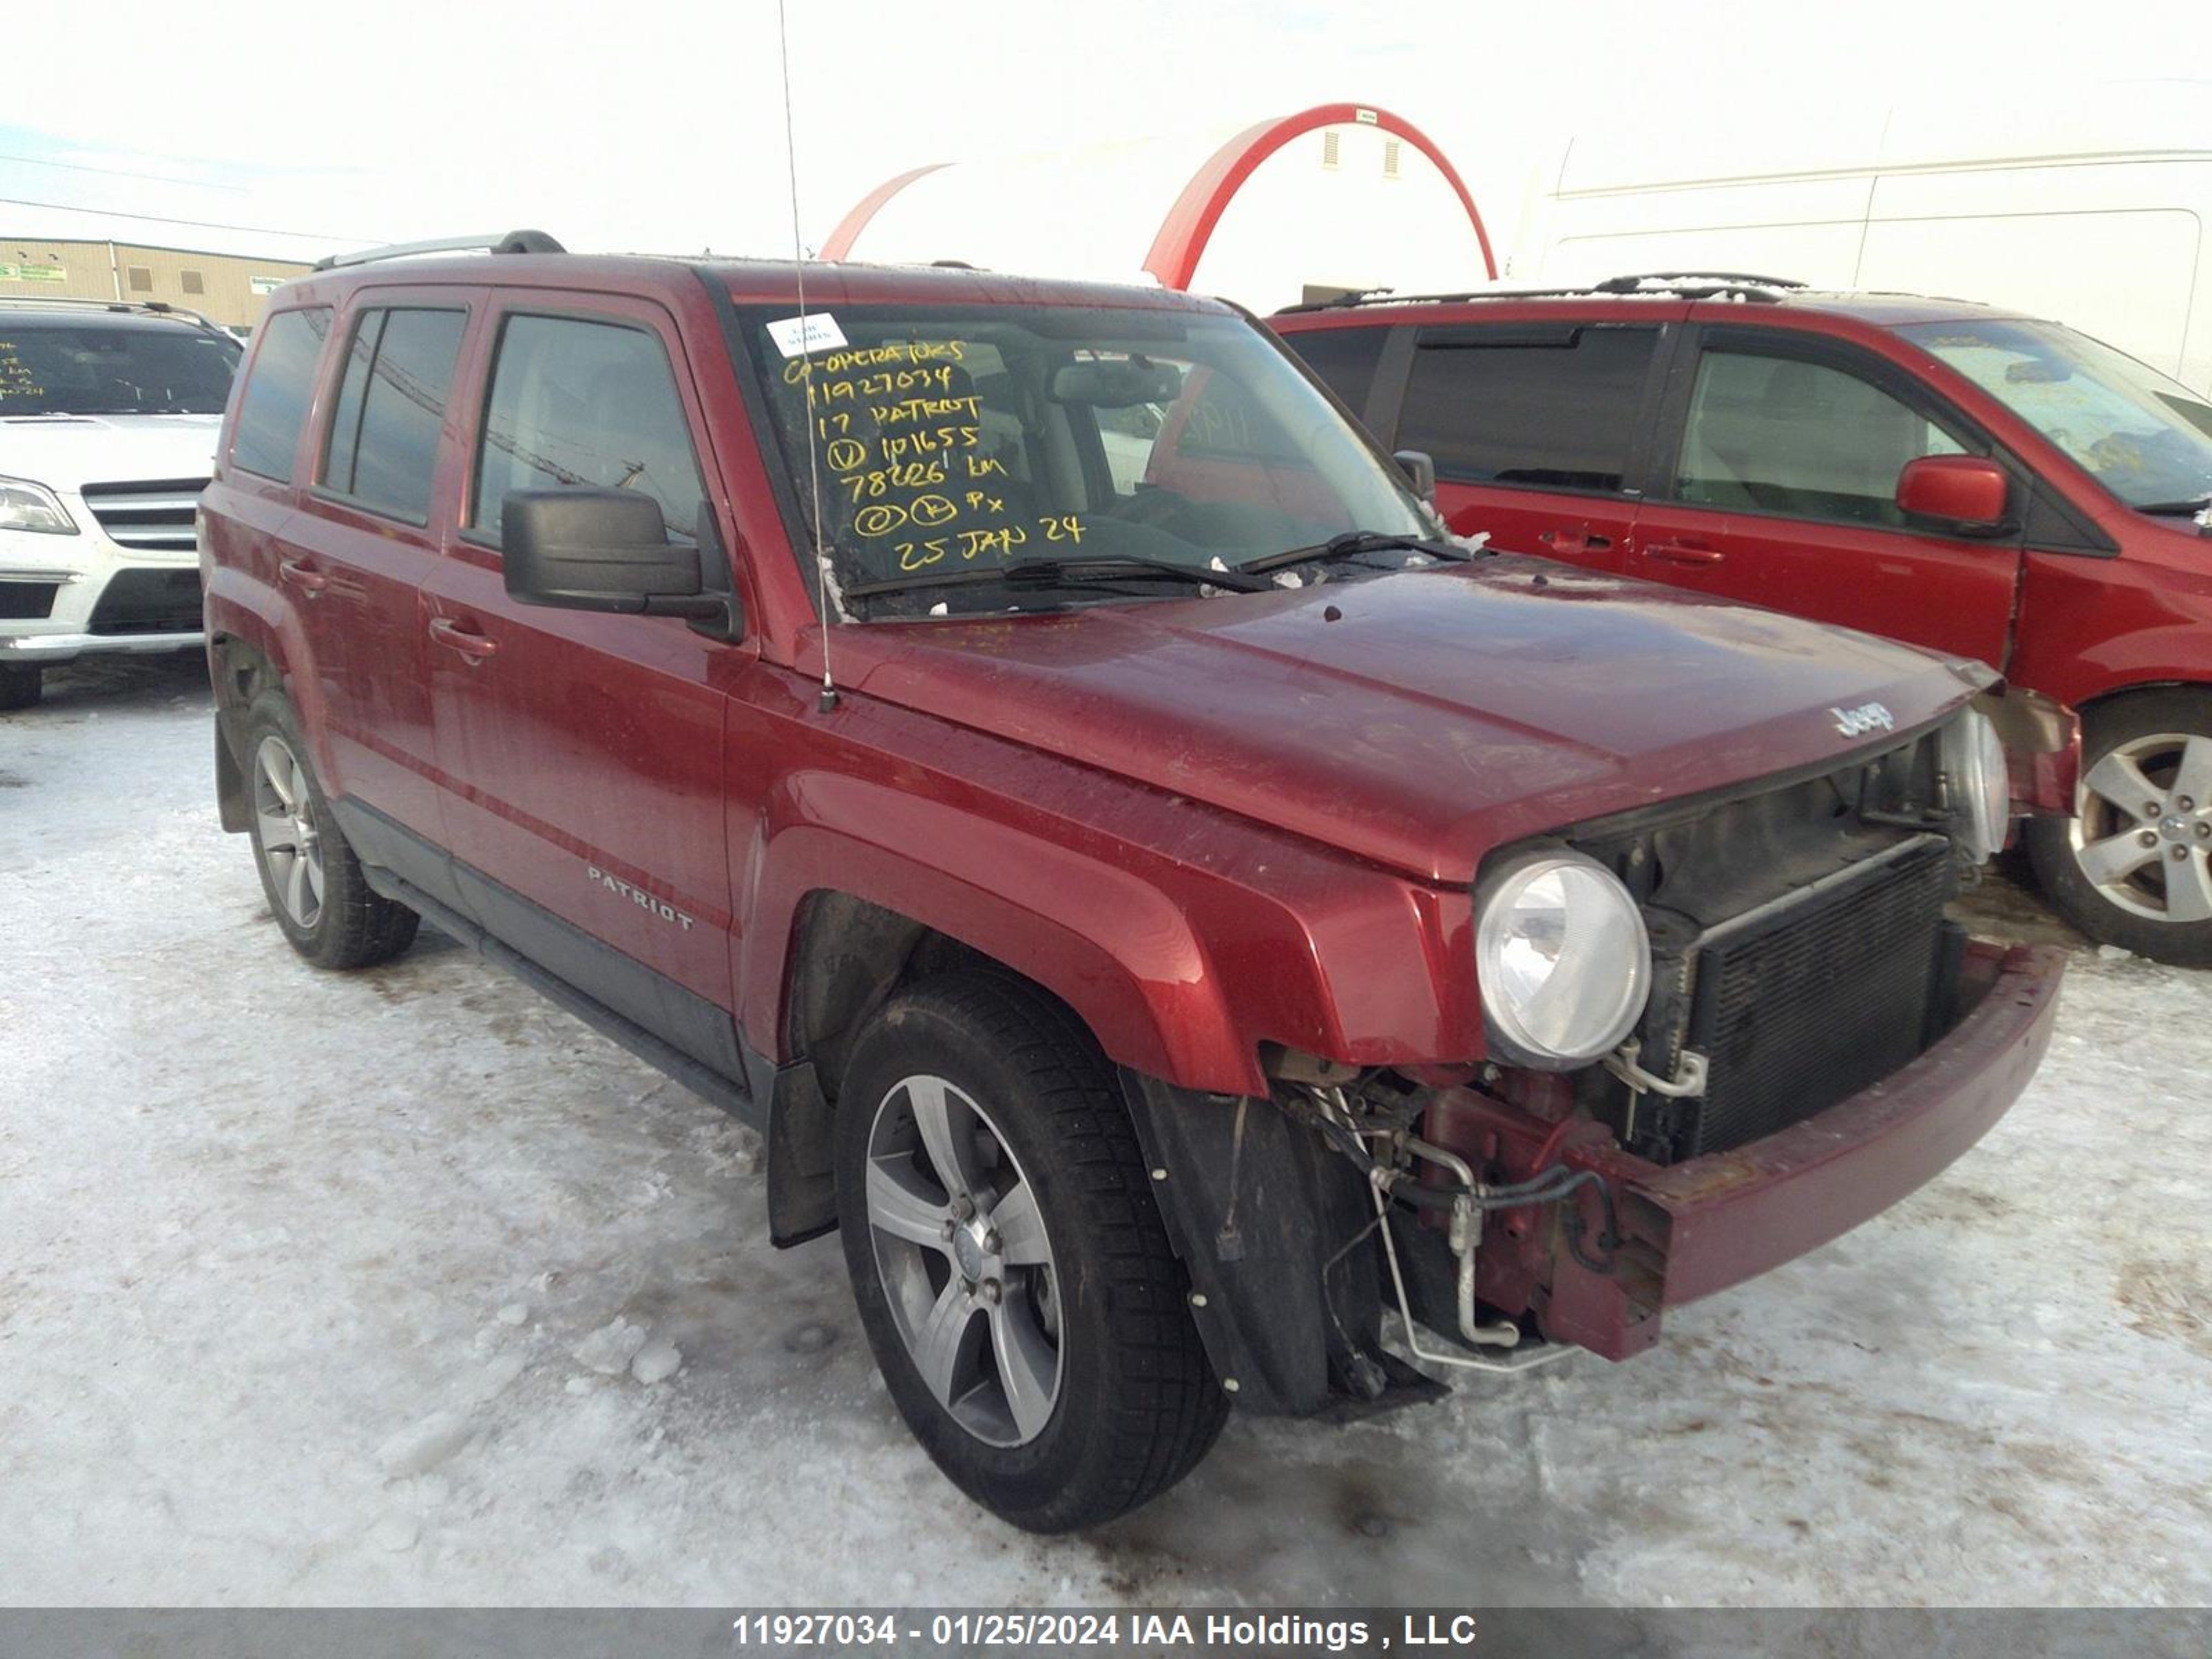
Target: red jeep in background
pixel 1929 470
pixel 1160 926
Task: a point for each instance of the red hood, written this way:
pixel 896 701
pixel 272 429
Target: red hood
pixel 1440 713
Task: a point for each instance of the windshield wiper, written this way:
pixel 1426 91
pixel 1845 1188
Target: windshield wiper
pixel 2177 509
pixel 1062 573
pixel 1350 543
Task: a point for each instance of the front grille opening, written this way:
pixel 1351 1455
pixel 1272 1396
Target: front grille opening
pixel 28 601
pixel 150 602
pixel 154 517
pixel 1798 943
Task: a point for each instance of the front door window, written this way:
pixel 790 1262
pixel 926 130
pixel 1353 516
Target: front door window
pixel 1781 434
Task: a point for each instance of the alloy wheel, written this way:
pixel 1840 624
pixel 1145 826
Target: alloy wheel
pixel 285 822
pixel 965 1260
pixel 2142 827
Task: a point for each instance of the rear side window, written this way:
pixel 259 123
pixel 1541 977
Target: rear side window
pixel 274 405
pixel 1545 407
pixel 1344 358
pixel 1780 434
pixel 590 405
pixel 383 443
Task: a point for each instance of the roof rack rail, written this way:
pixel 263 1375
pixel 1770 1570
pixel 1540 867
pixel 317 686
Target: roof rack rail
pixel 158 307
pixel 1352 296
pixel 515 242
pixel 1675 279
pixel 1373 296
pixel 1687 284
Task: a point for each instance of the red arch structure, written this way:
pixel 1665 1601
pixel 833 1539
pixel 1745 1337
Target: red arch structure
pixel 839 244
pixel 1189 225
pixel 1190 222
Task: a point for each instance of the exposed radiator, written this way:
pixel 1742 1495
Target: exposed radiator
pixel 1803 1003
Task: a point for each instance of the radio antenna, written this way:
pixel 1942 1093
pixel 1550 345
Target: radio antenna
pixel 829 698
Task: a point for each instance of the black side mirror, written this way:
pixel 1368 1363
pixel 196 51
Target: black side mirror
pixel 1420 469
pixel 598 550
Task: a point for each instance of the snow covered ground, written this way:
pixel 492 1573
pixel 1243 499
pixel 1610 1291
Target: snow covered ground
pixel 321 1288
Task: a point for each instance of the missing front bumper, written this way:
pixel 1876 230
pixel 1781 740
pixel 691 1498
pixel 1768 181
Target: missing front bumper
pixel 1690 1229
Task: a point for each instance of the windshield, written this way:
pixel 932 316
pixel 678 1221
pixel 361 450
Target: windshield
pixel 988 437
pixel 101 368
pixel 2147 439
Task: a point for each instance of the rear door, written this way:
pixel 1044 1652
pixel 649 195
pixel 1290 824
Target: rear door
pixel 584 751
pixel 1777 485
pixel 1538 429
pixel 363 543
pixel 252 524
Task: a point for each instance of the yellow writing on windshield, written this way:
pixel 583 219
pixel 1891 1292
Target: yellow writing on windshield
pixel 16 380
pixel 906 434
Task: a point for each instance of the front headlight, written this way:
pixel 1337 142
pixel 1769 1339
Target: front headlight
pixel 27 506
pixel 1563 959
pixel 1981 783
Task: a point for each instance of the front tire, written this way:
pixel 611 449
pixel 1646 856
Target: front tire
pixel 2133 866
pixel 1009 1261
pixel 313 882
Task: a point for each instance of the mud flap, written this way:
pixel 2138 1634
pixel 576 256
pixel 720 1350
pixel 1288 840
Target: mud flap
pixel 231 799
pixel 801 1157
pixel 1261 1215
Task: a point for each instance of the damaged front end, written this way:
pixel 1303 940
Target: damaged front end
pixel 1809 1038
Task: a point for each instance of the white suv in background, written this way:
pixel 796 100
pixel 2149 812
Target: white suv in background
pixel 108 417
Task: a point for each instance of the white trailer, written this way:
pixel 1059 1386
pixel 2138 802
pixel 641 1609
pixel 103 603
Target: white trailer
pixel 2097 212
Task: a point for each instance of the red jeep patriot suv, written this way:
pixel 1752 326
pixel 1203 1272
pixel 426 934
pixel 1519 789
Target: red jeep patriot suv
pixel 1163 910
pixel 1974 481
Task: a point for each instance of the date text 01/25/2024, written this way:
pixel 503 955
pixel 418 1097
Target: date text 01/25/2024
pixel 1425 1632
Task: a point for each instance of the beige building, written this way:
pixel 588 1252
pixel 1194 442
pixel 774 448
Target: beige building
pixel 226 288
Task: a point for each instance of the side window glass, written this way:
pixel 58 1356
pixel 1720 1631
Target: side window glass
pixel 383 445
pixel 1344 358
pixel 1555 411
pixel 278 387
pixel 585 404
pixel 1778 435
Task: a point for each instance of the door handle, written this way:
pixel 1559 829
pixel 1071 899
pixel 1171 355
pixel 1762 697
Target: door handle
pixel 1571 542
pixel 303 576
pixel 1684 552
pixel 470 644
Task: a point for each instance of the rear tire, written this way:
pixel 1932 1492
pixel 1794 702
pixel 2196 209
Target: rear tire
pixel 315 885
pixel 2146 772
pixel 21 685
pixel 1070 1385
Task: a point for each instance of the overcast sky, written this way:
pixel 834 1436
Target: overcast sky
pixel 660 124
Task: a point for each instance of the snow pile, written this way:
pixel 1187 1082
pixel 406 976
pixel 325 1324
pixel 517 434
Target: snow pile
pixel 610 1349
pixel 656 1362
pixel 421 1447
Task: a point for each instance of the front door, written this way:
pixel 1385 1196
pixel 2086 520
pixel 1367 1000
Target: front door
pixel 1782 492
pixel 584 750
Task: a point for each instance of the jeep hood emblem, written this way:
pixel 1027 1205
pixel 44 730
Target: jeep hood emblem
pixel 1867 717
